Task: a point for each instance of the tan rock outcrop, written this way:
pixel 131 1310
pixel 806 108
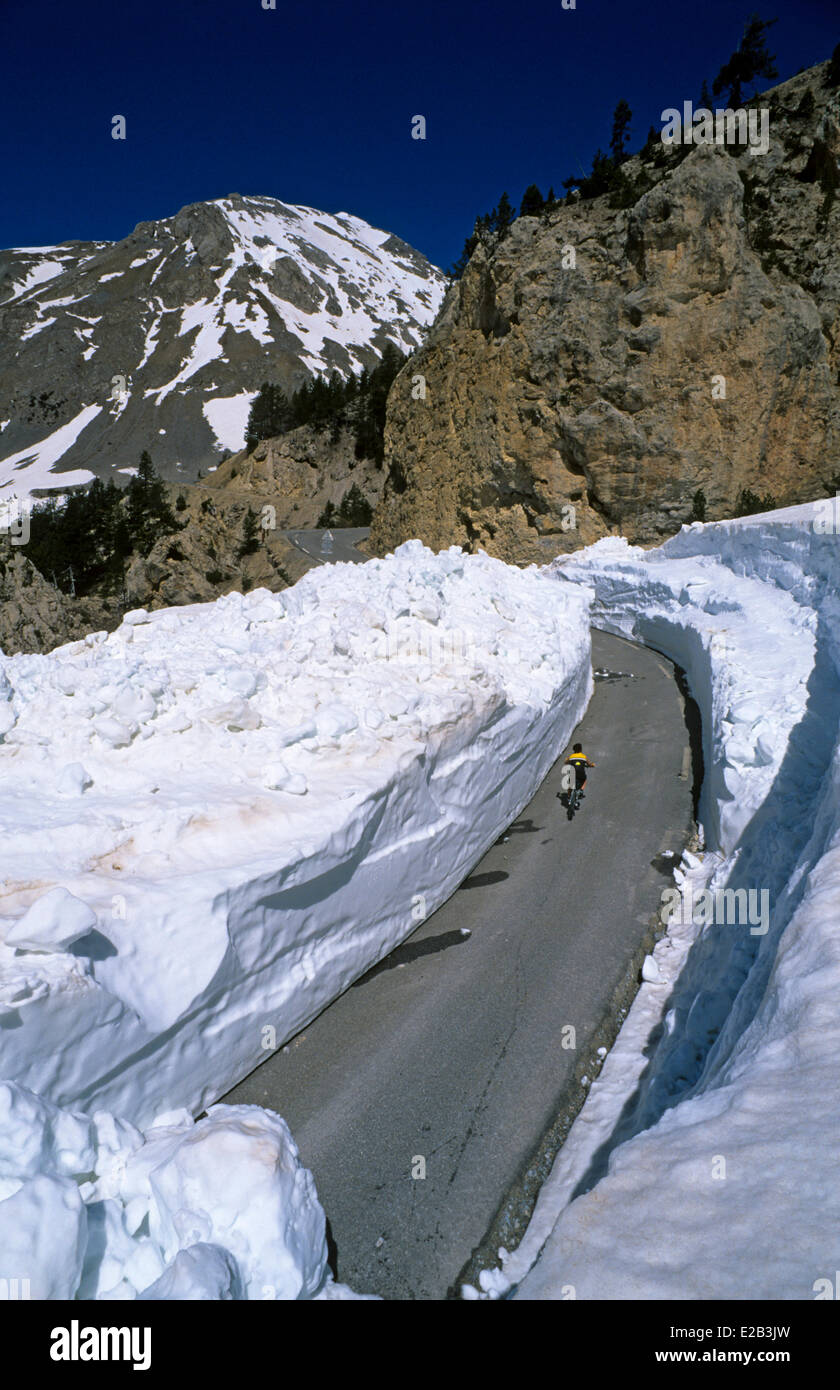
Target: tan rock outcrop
pixel 614 361
pixel 35 616
pixel 298 474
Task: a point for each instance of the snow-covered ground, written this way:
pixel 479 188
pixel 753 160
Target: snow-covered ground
pixel 215 819
pixel 91 1207
pixel 239 807
pixel 704 1162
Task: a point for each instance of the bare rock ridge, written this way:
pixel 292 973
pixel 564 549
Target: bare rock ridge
pixel 297 474
pixel 35 616
pixel 286 482
pixel 599 385
pixel 160 341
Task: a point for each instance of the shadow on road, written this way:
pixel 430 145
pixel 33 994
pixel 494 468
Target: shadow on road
pixel 403 955
pixel 519 827
pixel 485 880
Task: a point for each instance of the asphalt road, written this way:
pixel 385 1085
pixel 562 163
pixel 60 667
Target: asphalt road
pixel 328 547
pixel 446 1059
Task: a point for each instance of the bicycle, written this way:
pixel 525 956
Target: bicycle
pixel 570 793
pixel 569 773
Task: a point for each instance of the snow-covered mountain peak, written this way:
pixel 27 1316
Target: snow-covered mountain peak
pixel 161 340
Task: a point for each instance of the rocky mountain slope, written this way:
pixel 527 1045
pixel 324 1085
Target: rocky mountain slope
pixel 206 554
pixel 161 340
pixel 297 475
pixel 286 482
pixel 35 616
pixel 691 341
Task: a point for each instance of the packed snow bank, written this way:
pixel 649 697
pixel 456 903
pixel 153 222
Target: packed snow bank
pixel 92 1208
pixel 240 807
pixel 715 1117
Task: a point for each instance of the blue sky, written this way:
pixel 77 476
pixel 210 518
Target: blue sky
pixel 312 103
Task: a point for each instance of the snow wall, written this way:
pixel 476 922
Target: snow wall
pixel 704 1163
pixel 214 820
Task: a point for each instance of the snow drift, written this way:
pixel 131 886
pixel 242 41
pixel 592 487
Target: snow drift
pixel 703 1164
pixel 92 1208
pixel 217 817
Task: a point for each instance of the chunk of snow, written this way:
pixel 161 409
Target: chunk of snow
pixel 201 1271
pixel 222 1208
pixel 53 922
pixel 651 971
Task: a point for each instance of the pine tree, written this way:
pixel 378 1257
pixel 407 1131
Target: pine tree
pixel 490 224
pixel 458 267
pixel 599 180
pixel 370 409
pixel 354 509
pixel 268 416
pixel 750 502
pixel 504 214
pixel 250 535
pixel 806 104
pixel 148 514
pixel 654 138
pixel 750 61
pixel 622 116
pixel 81 543
pixel 532 202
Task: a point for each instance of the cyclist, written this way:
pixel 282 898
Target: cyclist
pixel 580 763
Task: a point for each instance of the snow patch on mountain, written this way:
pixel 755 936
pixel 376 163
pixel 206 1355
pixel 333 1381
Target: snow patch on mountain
pixel 227 417
pixel 32 468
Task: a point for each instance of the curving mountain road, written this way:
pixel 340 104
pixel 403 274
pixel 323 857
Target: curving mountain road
pixel 447 1059
pixel 329 547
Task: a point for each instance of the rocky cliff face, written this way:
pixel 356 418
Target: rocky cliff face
pixel 287 481
pixel 615 360
pixel 34 615
pixel 297 474
pixel 160 341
